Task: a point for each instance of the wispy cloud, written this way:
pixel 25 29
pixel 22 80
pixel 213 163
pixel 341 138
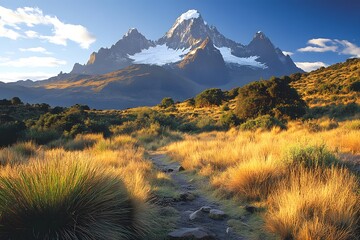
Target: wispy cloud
pixel 35 49
pixel 331 45
pixel 12 21
pixel 15 76
pixel 33 62
pixel 287 53
pixel 310 66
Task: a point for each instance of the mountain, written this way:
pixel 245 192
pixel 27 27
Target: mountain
pixel 205 65
pixel 244 63
pixel 135 71
pixel 110 59
pixel 136 85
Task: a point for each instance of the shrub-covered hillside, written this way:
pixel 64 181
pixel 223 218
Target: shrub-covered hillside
pixel 337 84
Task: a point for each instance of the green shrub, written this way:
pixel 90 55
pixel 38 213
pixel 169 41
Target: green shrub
pixel 209 97
pixel 311 157
pixel 10 132
pixel 229 119
pixel 65 200
pixel 274 97
pixel 166 102
pixel 355 86
pixel 265 122
pixel 42 136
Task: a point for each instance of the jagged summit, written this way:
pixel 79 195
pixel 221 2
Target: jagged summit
pixel 189 44
pixel 132 31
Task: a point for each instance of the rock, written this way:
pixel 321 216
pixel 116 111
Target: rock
pixel 186 196
pixel 181 168
pixel 205 209
pixel 217 214
pixel 191 233
pixel 195 215
pixel 170 170
pixel 250 209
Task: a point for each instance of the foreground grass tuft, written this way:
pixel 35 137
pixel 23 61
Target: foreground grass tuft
pixel 65 200
pixel 315 204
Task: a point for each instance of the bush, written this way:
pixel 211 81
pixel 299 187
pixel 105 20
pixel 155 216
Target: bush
pixel 42 136
pixel 274 97
pixel 65 200
pixel 166 102
pixel 265 122
pixel 228 120
pixel 209 97
pixel 10 132
pixel 355 86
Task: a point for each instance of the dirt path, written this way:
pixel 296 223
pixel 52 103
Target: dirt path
pixel 188 206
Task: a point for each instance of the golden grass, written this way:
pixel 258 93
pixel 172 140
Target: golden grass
pixel 254 179
pixel 315 204
pixel 319 200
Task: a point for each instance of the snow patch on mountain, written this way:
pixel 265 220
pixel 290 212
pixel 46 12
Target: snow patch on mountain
pixel 188 15
pixel 159 55
pixel 249 61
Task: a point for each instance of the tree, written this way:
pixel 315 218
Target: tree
pixel 209 97
pixel 274 97
pixel 166 102
pixel 16 101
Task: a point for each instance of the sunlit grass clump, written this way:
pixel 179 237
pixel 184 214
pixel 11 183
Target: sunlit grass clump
pixel 65 200
pixel 315 204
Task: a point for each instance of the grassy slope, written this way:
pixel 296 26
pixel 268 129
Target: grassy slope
pixel 329 85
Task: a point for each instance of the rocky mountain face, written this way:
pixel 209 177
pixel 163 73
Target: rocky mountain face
pixel 205 65
pixel 260 58
pixel 189 58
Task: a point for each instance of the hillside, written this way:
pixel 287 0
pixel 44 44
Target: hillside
pixel 336 84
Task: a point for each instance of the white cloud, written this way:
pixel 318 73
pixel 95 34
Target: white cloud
pixel 35 49
pixel 11 22
pixel 31 34
pixel 287 53
pixel 332 45
pixel 15 76
pixel 310 66
pixel 320 45
pixel 349 48
pixel 33 62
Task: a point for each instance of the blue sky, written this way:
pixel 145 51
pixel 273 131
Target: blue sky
pixel 38 38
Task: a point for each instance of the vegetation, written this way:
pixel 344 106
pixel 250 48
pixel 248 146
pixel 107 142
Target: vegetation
pixel 274 97
pixel 167 102
pixel 209 97
pixel 68 200
pixel 287 146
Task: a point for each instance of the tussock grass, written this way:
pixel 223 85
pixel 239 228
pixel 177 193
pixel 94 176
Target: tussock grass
pixel 18 153
pixel 65 200
pixel 295 173
pixel 315 204
pixel 253 180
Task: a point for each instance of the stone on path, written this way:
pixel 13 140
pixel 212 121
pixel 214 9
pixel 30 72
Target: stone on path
pixel 195 215
pixel 205 209
pixel 181 168
pixel 217 214
pixel 191 233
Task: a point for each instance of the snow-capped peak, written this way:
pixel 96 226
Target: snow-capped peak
pixel 131 30
pixel 259 32
pixel 191 14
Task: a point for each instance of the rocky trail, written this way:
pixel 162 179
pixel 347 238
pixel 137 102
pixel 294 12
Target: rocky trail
pixel 201 218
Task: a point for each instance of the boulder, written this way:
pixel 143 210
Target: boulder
pixel 217 214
